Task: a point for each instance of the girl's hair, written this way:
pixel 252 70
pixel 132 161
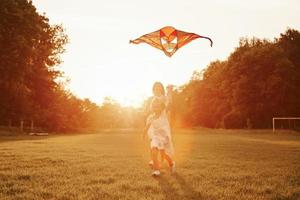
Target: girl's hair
pixel 159 85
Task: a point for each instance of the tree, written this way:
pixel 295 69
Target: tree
pixel 30 51
pixel 259 80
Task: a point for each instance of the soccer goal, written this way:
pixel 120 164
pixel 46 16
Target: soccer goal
pixel 286 123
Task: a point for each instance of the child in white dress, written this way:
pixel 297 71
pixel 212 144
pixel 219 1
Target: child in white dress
pixel 159 133
pixel 159 93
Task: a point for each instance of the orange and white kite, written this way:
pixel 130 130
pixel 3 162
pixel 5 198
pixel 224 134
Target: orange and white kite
pixel 168 39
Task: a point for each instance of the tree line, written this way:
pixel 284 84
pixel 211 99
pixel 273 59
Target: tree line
pixel 31 89
pixel 259 80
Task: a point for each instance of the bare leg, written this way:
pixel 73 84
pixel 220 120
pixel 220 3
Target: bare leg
pixel 162 157
pixel 167 157
pixel 151 161
pixel 154 155
pixel 160 162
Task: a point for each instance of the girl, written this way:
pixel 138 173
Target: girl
pixel 159 93
pixel 158 129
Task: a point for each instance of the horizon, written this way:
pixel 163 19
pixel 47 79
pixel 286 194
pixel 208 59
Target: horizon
pixel 99 36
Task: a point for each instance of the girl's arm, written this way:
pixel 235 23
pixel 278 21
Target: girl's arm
pixel 148 106
pixel 148 124
pixel 146 128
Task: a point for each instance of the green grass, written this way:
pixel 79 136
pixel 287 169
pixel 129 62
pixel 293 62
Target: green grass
pixel 211 164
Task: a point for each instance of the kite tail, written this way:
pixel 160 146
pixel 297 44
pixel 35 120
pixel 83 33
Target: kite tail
pixel 211 42
pixel 136 41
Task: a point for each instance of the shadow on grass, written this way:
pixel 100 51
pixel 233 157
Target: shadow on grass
pixel 170 192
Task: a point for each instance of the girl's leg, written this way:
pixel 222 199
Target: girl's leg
pixel 167 157
pixel 162 157
pixel 151 161
pixel 154 155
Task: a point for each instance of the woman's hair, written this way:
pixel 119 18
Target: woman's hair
pixel 160 86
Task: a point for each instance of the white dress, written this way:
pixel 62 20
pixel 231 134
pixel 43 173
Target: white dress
pixel 159 132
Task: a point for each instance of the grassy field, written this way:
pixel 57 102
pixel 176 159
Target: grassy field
pixel 211 164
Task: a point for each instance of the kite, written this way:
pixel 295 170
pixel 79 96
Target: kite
pixel 168 39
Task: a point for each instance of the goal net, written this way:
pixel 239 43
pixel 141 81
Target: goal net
pixel 286 123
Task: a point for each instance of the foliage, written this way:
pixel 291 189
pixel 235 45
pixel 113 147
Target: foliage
pixel 30 51
pixel 259 80
pixel 29 55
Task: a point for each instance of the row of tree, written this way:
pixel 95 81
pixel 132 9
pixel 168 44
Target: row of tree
pixel 31 90
pixel 259 80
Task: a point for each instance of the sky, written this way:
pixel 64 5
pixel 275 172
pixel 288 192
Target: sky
pixel 100 62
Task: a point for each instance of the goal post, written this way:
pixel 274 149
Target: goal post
pixel 282 118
